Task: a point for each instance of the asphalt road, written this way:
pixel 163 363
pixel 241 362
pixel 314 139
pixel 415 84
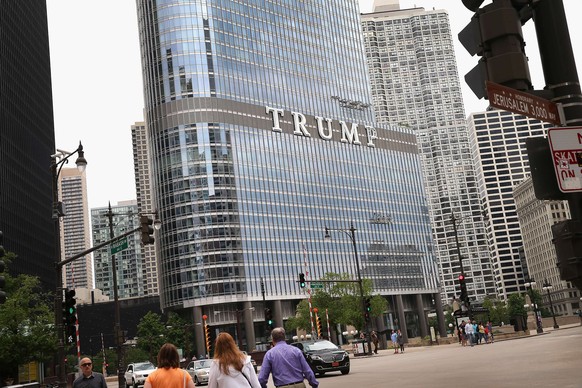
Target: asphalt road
pixel 548 360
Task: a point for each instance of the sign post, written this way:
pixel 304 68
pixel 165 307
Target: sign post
pixel 523 103
pixel 566 148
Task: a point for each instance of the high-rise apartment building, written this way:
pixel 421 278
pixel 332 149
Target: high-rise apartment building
pixel 75 233
pixel 27 139
pixel 129 269
pixel 497 141
pixel 261 136
pixel 536 219
pixel 414 83
pixel 145 204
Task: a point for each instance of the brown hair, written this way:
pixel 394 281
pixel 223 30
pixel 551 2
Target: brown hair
pixel 168 357
pixel 227 353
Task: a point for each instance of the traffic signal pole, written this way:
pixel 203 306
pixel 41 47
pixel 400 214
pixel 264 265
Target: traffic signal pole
pixel 561 77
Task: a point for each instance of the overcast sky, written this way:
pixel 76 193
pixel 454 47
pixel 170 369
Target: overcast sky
pixel 97 81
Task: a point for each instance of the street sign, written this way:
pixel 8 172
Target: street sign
pixel 522 103
pixel 316 285
pixel 119 245
pixel 566 148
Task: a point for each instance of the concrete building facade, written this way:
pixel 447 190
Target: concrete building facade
pixel 536 218
pixel 415 83
pixel 75 232
pixel 497 140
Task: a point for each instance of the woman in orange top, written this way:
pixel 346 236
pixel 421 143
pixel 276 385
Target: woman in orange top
pixel 169 374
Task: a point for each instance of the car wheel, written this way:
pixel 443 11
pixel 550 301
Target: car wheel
pixel 134 384
pixel 345 371
pixel 196 382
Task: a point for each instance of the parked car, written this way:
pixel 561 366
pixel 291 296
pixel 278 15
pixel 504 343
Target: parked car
pixel 199 371
pixel 137 372
pixel 323 356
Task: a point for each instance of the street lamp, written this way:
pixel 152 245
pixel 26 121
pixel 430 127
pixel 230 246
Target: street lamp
pixel 351 233
pixel 58 160
pixel 529 284
pixel 464 296
pixel 546 287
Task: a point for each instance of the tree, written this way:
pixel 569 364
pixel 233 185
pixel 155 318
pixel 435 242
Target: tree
pixel 497 310
pixel 516 310
pixel 179 333
pixel 26 323
pixel 151 335
pixel 343 302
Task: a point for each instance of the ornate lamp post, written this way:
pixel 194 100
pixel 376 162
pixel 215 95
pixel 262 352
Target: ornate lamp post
pixel 58 160
pixel 546 287
pixel 351 233
pixel 529 284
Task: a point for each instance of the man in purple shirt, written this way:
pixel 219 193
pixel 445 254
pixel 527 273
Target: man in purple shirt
pixel 286 363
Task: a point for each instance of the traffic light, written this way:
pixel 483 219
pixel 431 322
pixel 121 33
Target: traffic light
pixel 302 280
pixel 70 315
pixel 368 304
pixel 463 288
pixel 318 325
pixel 495 34
pixel 147 230
pixel 2 268
pixel 207 338
pixel 269 318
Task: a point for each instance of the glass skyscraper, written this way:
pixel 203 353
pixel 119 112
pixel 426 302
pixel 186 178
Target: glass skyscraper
pixel 262 134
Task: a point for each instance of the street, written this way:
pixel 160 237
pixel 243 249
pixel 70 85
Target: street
pixel 552 359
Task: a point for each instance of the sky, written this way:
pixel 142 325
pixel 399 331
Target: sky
pixel 98 89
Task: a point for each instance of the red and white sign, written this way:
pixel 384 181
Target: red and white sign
pixel 566 147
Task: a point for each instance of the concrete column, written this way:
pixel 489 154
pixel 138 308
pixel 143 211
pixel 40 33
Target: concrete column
pixel 401 317
pixel 277 313
pixel 440 315
pixel 249 326
pixel 200 345
pixel 381 327
pixel 422 321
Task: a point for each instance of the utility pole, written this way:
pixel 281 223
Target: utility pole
pixel 117 325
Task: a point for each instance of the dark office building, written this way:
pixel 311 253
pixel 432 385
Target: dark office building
pixel 26 138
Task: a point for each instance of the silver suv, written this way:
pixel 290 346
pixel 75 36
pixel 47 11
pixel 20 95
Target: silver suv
pixel 137 373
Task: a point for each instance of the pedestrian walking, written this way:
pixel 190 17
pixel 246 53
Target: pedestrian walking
pixel 231 368
pixel 400 341
pixel 286 363
pixel 168 374
pixel 490 329
pixel 374 338
pixel 394 339
pixel 88 378
pixel 481 333
pixel 470 333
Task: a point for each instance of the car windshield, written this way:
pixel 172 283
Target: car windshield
pixel 318 346
pixel 202 364
pixel 144 366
